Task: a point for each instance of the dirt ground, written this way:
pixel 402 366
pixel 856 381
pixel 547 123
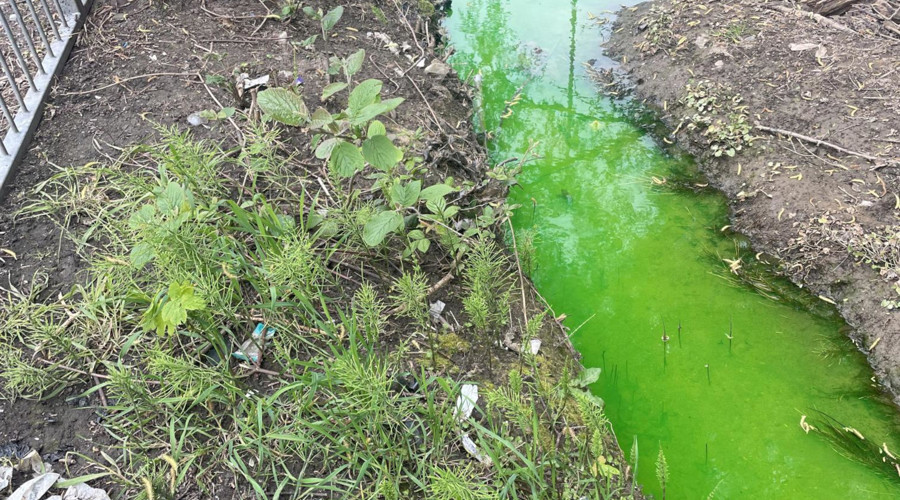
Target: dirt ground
pixel 143 65
pixel 139 65
pixel 812 108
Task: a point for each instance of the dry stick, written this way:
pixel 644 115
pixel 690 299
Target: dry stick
pixel 820 142
pixel 148 75
pixel 813 16
pixel 575 354
pixel 230 119
pixel 433 114
pixel 383 73
pixel 412 31
pixel 512 233
pixel 437 286
pixel 100 391
pixel 82 372
pixel 230 18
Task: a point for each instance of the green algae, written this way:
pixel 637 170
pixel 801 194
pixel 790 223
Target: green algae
pixel 623 258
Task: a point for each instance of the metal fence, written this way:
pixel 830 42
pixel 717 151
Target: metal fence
pixel 39 34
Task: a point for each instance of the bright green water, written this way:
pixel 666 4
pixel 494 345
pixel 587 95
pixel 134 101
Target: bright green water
pixel 614 252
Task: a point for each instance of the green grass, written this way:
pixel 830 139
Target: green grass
pixel 189 246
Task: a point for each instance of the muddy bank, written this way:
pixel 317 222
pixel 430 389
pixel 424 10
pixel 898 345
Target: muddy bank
pixel 797 120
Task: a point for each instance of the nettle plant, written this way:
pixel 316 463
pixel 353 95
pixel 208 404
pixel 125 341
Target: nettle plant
pixel 353 141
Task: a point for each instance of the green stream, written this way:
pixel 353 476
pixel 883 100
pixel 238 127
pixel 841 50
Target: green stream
pixel 621 257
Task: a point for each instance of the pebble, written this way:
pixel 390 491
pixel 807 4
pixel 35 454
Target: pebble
pixel 438 68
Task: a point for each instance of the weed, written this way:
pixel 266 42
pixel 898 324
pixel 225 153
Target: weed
pixel 370 310
pixel 735 31
pixel 327 20
pixel 720 117
pixel 458 484
pixel 662 471
pixel 657 26
pixel 410 294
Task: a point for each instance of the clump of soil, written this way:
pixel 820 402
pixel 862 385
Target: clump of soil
pixel 794 116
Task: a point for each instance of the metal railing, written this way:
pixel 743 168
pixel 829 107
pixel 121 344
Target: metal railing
pixel 39 34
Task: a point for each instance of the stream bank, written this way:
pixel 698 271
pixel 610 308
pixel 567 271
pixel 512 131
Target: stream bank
pixel 795 119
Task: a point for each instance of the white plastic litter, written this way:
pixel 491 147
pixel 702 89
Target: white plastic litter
pixel 473 450
pixel 84 492
pixel 535 346
pixel 436 309
pixel 5 477
pixel 465 403
pixel 35 488
pixel 196 119
pixel 256 82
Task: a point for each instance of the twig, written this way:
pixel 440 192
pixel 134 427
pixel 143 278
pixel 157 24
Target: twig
pixel 820 142
pixel 230 18
pixel 148 75
pixel 82 372
pixel 100 390
pixel 412 31
pixel 443 281
pixel 230 119
pixel 512 233
pixel 813 16
pixel 433 114
pixel 434 288
pixel 383 73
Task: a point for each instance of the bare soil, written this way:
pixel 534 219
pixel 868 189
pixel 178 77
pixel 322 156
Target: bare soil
pixel 822 194
pixel 142 65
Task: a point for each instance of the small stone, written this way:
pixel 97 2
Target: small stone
pixel 702 41
pixel 719 64
pixel 119 18
pixel 438 68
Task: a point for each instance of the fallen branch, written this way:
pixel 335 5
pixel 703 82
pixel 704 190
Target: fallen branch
pixel 812 15
pixel 820 142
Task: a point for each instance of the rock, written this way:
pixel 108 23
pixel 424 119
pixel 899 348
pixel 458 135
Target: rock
pixel 702 41
pixel 438 68
pixel 799 47
pixel 719 64
pixel 719 49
